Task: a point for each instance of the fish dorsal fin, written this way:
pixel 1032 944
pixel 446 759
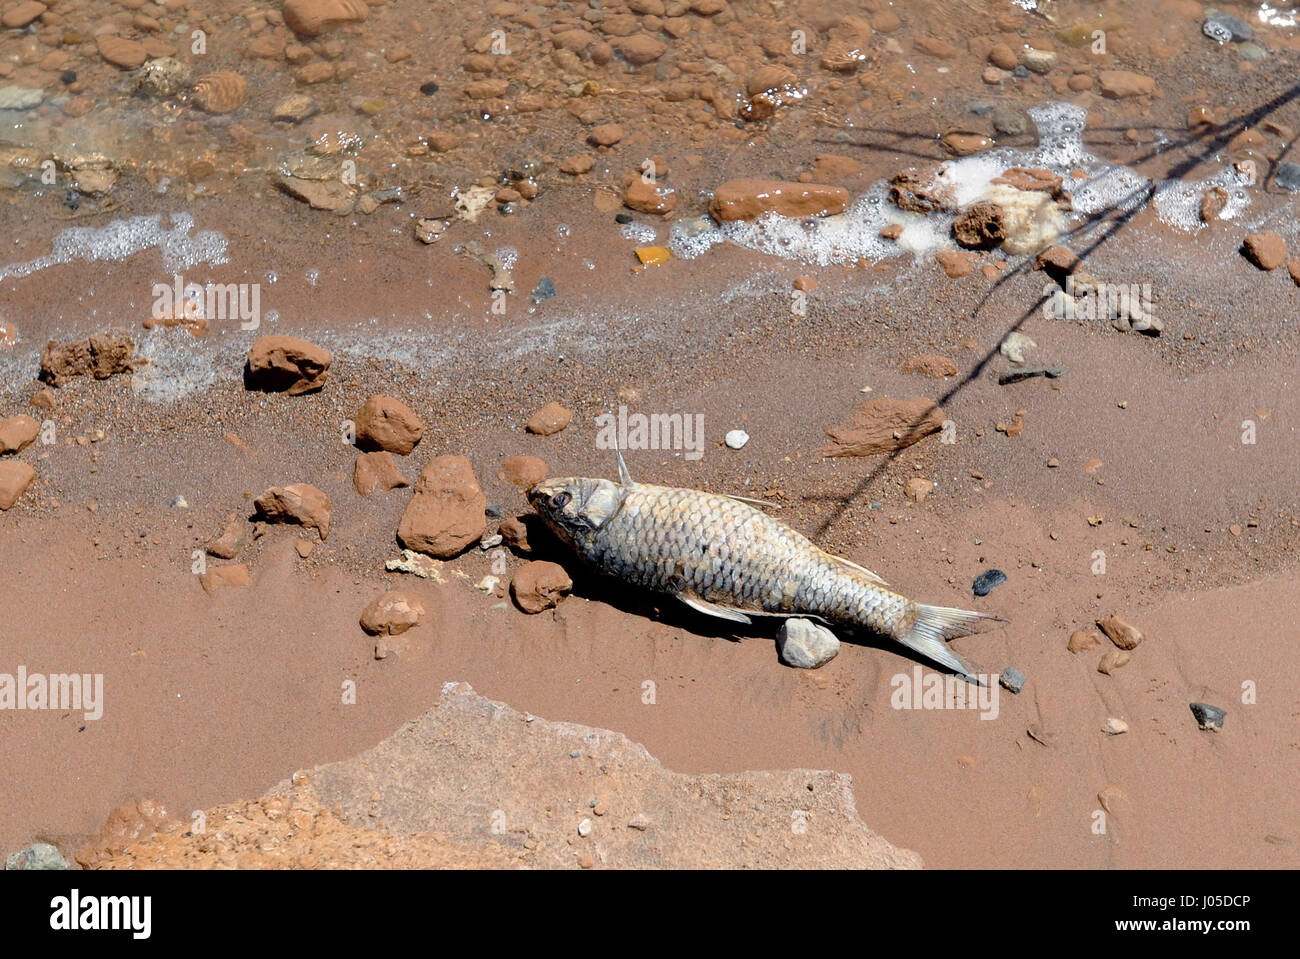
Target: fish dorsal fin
pixel 874 577
pixel 624 477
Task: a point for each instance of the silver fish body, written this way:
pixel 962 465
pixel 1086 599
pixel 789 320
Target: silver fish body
pixel 725 558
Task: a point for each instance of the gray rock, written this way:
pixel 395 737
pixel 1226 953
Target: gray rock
pixel 1010 120
pixel 1288 177
pixel 1012 679
pixel 1224 27
pixel 544 290
pixel 805 644
pixel 1252 51
pixel 1207 716
pixel 39 855
pixel 20 98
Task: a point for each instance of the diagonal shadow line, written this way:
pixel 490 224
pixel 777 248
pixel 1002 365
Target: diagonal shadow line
pixel 1128 210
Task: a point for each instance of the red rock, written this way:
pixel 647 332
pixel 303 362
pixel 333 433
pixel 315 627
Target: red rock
pixel 578 164
pixel 1122 634
pixel 524 471
pixel 101 355
pixel 1112 660
pixel 216 577
pixel 919 193
pixel 605 135
pixel 300 503
pixel 311 18
pixel 17 432
pixel 539 586
pixel 1213 201
pixel 980 226
pixel 384 423
pixel 1081 640
pixel 377 473
pixel 960 143
pixel 391 614
pixel 917 489
pixel 121 52
pixel 748 198
pixel 932 365
pixel 1266 250
pixel 933 46
pixel 884 424
pixel 1003 57
pixel 649 198
pixel 1121 84
pixel 1293 267
pixel 446 513
pixel 287 364
pixel 130 822
pixel 514 533
pixel 893 232
pixel 15 477
pixel 805 284
pixel 551 418
pixel 954 263
pixel 220 92
pixel 21 14
pixel 232 539
pixel 641 49
pixel 1058 262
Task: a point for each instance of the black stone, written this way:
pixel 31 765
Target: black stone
pixel 68 77
pixel 429 89
pixel 623 218
pixel 986 580
pixel 1207 716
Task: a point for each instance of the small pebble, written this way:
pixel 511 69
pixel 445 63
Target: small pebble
pixel 584 828
pixel 736 439
pixel 429 89
pixel 1012 679
pixel 1207 716
pixel 179 503
pixel 985 581
pixel 1114 727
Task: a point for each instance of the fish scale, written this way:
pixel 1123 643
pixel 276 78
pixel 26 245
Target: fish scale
pixel 726 558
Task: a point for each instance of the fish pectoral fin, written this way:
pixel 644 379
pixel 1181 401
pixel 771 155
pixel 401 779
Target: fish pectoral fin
pixel 752 502
pixel 874 577
pixel 712 609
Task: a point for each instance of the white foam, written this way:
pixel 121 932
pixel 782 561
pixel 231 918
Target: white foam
pixel 123 238
pixel 639 232
pixel 854 234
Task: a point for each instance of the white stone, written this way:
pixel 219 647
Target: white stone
pixel 805 644
pixel 736 439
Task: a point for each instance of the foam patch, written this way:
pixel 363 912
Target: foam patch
pixel 123 238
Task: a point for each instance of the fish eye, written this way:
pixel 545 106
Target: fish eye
pixel 560 500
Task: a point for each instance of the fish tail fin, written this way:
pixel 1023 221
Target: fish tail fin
pixel 934 625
